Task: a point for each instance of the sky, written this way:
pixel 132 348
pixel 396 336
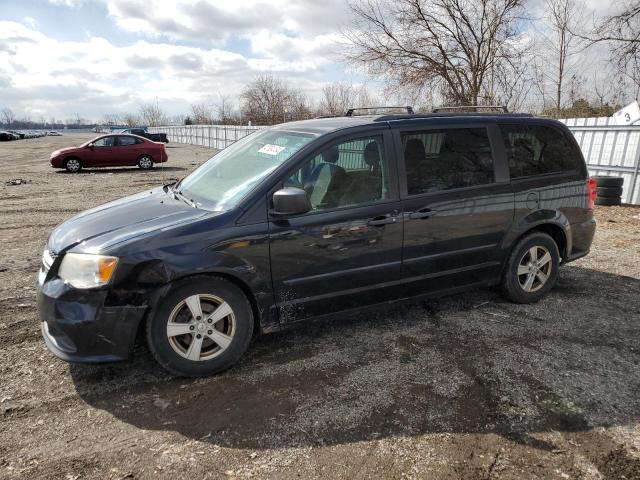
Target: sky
pixel 90 57
pixel 62 58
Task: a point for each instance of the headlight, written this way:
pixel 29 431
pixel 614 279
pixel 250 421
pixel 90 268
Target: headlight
pixel 84 270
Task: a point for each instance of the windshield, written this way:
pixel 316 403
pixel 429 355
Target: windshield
pixel 226 178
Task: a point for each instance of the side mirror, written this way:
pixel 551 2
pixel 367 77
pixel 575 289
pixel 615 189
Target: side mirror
pixel 290 201
pixel 90 146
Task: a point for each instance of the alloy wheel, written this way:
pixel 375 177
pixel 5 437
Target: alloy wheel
pixel 534 269
pixel 73 165
pixel 145 162
pixel 201 327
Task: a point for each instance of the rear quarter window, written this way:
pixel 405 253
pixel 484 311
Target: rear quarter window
pixel 539 150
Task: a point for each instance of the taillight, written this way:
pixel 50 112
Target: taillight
pixel 591 192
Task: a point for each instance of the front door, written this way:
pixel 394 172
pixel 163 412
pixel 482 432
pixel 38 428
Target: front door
pixel 101 152
pixel 343 252
pixel 457 204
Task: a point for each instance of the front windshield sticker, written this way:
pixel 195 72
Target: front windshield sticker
pixel 271 149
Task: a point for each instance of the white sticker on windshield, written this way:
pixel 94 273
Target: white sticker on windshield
pixel 271 149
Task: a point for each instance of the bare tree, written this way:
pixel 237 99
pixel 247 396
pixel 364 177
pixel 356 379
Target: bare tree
pixel 337 98
pixel 264 100
pixel 224 109
pixel 201 113
pixel 152 114
pixel 268 100
pixel 563 19
pixel 298 106
pixel 446 45
pixel 8 117
pixel 511 83
pixel 130 119
pixel 111 119
pixel 365 98
pixel 622 30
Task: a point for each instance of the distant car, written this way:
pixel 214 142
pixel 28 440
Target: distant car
pixel 110 151
pixel 54 134
pixel 6 136
pixel 19 135
pixel 156 137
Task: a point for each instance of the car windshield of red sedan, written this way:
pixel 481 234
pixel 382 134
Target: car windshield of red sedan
pixel 220 183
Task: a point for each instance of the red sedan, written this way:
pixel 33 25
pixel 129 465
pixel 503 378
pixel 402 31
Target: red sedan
pixel 110 151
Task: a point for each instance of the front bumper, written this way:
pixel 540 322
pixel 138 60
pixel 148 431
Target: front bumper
pixel 77 326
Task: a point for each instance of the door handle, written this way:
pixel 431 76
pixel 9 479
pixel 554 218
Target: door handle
pixel 382 220
pixel 422 213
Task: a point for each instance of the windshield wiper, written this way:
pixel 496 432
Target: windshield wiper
pixel 178 194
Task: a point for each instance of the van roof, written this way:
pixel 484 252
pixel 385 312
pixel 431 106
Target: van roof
pixel 330 124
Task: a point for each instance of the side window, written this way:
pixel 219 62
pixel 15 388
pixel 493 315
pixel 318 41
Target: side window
pixel 127 141
pixel 443 159
pixel 353 172
pixel 104 142
pixel 537 150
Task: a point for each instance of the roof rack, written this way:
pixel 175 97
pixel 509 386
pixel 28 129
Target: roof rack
pixel 351 110
pixel 474 108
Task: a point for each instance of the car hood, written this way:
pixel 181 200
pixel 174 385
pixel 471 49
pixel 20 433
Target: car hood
pixel 64 150
pixel 98 229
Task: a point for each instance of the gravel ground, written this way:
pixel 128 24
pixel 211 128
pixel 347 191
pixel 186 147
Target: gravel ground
pixel 468 386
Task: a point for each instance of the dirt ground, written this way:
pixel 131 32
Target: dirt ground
pixel 468 386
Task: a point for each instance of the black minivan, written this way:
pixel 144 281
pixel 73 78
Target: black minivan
pixel 310 218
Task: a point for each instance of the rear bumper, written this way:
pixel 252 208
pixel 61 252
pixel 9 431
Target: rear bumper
pixel 582 236
pixel 78 327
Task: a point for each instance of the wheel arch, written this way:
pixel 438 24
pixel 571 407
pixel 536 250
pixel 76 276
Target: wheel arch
pixel 235 280
pixel 553 223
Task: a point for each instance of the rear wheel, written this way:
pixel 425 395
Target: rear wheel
pixel 202 327
pixel 532 269
pixel 145 162
pixel 73 165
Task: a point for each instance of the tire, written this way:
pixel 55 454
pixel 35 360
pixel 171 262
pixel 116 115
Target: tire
pixel 520 258
pixel 608 181
pixel 73 165
pixel 145 162
pixel 608 201
pixel 609 191
pixel 235 329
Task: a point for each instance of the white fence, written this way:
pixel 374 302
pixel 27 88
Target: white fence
pixel 608 149
pixel 212 136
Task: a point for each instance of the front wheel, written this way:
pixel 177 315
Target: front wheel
pixel 203 326
pixel 73 165
pixel 532 269
pixel 145 162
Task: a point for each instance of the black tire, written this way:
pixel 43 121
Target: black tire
pixel 73 165
pixel 608 181
pixel 608 201
pixel 164 352
pixel 609 191
pixel 145 162
pixel 511 286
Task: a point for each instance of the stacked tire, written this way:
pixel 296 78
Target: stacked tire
pixel 608 190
